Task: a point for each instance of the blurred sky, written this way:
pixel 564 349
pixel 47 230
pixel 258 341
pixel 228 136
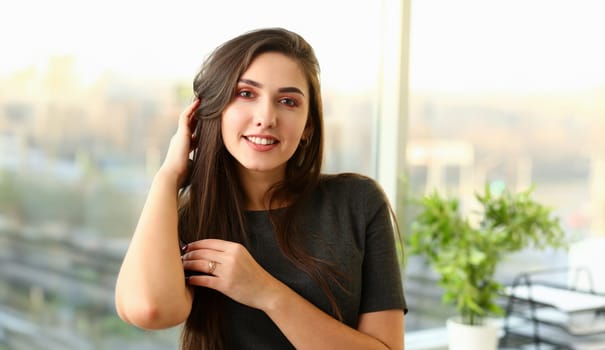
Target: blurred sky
pixel 455 45
pixel 170 38
pixel 516 45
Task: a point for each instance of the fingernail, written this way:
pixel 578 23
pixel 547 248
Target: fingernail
pixel 184 247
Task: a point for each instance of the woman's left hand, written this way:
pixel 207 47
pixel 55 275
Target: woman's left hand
pixel 230 270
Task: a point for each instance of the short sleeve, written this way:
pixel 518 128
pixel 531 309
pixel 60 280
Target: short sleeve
pixel 382 287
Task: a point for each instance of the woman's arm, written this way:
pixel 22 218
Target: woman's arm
pixel 150 290
pixel 307 327
pixel 374 324
pixel 236 274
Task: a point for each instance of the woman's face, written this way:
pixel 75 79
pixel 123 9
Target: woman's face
pixel 263 124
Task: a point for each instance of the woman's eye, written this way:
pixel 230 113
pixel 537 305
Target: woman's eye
pixel 245 93
pixel 288 102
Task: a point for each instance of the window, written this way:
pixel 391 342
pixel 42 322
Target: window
pixel 509 94
pixel 86 113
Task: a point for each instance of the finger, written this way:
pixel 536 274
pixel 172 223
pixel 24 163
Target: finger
pixel 201 265
pixel 191 108
pixel 211 243
pixel 186 115
pixel 204 254
pixel 207 281
pixel 192 121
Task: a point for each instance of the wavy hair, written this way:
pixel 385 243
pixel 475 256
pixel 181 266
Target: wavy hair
pixel 212 206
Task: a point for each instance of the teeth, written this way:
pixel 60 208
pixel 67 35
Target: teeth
pixel 260 140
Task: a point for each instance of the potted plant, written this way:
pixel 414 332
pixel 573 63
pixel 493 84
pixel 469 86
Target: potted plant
pixel 466 250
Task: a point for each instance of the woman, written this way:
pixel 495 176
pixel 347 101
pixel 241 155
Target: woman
pixel 277 256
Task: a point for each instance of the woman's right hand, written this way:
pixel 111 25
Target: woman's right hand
pixel 177 158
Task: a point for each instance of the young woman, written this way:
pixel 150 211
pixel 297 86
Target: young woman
pixel 273 254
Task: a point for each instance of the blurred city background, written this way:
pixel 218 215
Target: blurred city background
pixel 506 93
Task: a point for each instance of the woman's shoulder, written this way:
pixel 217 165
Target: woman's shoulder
pixel 344 179
pixel 350 185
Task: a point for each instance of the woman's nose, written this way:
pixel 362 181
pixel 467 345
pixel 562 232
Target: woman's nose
pixel 265 115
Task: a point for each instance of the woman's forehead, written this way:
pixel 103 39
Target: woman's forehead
pixel 276 70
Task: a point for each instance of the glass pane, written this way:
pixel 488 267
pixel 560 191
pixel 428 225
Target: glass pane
pixel 89 96
pixel 513 95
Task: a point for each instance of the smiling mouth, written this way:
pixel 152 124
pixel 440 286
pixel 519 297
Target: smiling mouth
pixel 260 140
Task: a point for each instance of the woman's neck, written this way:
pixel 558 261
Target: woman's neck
pixel 256 186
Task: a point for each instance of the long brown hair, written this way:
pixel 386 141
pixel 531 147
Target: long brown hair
pixel 212 206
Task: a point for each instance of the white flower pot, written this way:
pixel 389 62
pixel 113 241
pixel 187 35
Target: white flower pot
pixel 466 337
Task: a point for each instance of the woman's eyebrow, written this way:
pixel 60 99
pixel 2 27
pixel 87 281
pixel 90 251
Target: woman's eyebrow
pixel 291 89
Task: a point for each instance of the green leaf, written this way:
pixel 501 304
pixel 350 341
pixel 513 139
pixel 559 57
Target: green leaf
pixel 465 256
pixel 477 257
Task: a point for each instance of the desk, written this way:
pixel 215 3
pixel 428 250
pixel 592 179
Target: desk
pixel 556 315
